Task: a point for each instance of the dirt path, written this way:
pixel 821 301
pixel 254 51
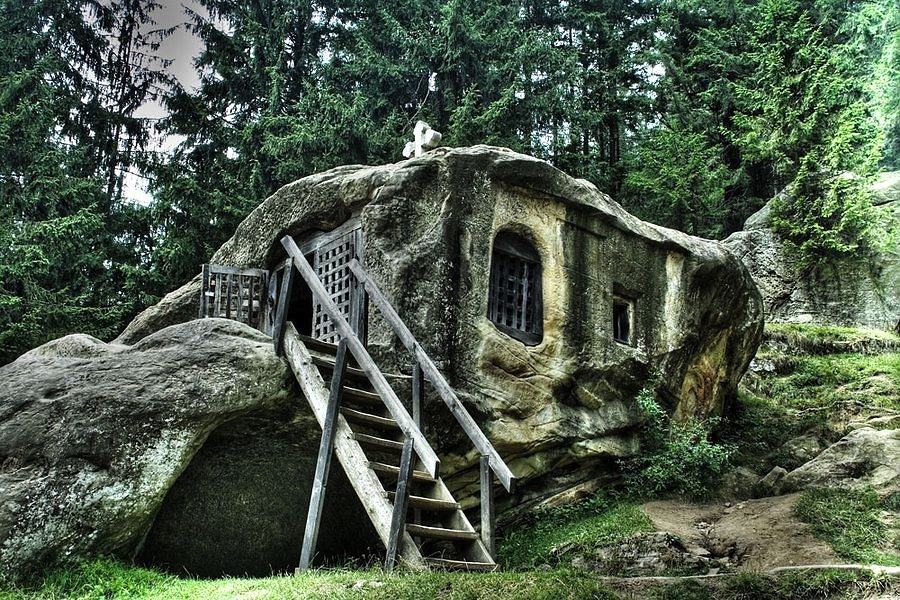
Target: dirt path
pixel 755 534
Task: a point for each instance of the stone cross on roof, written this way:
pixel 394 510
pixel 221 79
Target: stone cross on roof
pixel 426 138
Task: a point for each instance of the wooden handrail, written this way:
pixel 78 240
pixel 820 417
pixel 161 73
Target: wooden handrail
pixel 430 460
pixel 430 370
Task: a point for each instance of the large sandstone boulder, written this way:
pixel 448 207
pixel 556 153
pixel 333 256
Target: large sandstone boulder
pixel 93 436
pixel 854 291
pixel 560 410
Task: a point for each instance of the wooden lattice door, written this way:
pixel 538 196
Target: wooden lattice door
pixel 332 253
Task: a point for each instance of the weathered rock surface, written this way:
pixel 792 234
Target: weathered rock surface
pixel 864 457
pixel 560 411
pixel 860 291
pixel 93 436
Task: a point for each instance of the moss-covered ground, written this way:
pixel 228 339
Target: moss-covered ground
pixel 811 379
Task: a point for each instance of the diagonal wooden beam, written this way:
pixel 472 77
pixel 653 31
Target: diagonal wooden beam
pixel 423 449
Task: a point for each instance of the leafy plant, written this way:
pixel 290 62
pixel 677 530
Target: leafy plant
pixel 677 458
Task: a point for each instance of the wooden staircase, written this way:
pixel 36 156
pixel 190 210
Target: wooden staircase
pixel 379 443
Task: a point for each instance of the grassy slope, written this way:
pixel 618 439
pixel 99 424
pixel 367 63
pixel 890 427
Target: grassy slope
pixel 816 378
pixel 817 387
pixel 824 378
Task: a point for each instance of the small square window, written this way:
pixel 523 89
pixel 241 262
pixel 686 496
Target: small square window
pixel 623 317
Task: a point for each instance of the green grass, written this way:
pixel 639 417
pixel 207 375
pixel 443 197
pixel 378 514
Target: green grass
pixel 805 585
pixel 105 579
pixel 825 380
pixel 595 523
pixel 817 386
pixel 849 522
pixel 828 339
pixel 111 580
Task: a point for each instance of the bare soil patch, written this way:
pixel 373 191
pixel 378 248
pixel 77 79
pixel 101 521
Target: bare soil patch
pixel 754 535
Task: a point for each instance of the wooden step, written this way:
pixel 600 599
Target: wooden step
pixel 362 396
pixel 318 345
pixel 359 416
pixel 429 504
pixel 377 442
pixel 440 533
pixel 327 363
pixel 393 471
pixel 460 565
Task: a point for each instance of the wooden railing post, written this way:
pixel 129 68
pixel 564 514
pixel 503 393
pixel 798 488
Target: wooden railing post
pixel 323 464
pixel 287 284
pixel 487 504
pixel 401 499
pixel 204 286
pixel 418 391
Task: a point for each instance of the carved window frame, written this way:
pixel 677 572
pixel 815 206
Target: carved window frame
pixel 620 304
pixel 515 293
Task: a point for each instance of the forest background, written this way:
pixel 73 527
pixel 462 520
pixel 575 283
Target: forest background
pixel 692 114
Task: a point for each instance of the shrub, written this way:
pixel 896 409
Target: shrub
pixel 677 458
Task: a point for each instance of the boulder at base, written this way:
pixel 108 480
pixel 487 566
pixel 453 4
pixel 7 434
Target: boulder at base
pixel 93 436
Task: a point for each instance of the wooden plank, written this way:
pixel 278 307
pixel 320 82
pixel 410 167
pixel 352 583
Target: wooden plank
pixel 376 377
pixel 433 375
pixel 228 296
pixel 271 300
pixel 287 283
pixel 378 442
pixel 204 287
pixel 441 533
pixel 323 463
pixel 326 362
pixel 418 390
pixel 429 504
pixel 487 504
pixel 460 565
pixel 391 470
pixel 369 419
pixel 225 270
pixel 365 482
pixel 240 296
pixel 217 299
pixel 362 396
pixel 401 497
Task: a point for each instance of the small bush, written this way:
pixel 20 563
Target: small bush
pixel 677 458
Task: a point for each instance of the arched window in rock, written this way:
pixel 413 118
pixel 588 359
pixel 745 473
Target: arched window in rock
pixel 515 298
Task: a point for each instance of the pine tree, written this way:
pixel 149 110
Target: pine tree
pixel 72 76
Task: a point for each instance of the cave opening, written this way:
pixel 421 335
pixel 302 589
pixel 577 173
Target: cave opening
pixel 239 508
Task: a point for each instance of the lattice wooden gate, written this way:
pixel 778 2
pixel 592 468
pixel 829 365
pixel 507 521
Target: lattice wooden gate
pixel 238 294
pixel 331 261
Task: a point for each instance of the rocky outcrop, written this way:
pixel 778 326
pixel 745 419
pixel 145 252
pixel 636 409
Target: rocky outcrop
pixel 852 291
pixel 558 409
pixel 865 457
pixel 94 435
